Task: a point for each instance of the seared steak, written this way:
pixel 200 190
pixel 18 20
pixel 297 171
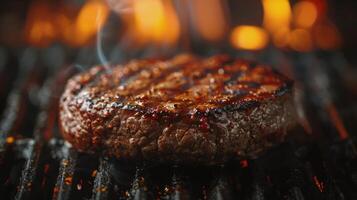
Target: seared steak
pixel 185 110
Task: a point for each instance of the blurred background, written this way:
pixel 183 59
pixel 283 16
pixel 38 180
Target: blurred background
pixel 88 31
pixel 308 40
pixel 311 41
pixel 44 42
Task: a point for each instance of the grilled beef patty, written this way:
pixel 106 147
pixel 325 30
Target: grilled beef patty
pixel 185 110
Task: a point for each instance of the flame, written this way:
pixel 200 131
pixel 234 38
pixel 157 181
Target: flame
pixel 302 28
pixel 327 36
pixel 281 37
pixel 90 19
pixel 155 21
pixel 64 22
pixel 249 37
pixel 45 25
pixel 321 7
pixel 39 29
pixel 209 19
pixel 300 40
pixel 305 14
pixel 277 19
pixel 277 15
pixel 10 140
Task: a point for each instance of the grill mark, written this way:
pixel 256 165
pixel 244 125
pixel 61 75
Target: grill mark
pixel 188 84
pixel 221 62
pixel 234 77
pixel 94 80
pixel 127 77
pixel 165 73
pixel 157 80
pixel 238 74
pixel 186 67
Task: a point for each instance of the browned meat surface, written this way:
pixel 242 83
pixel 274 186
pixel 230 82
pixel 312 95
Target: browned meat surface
pixel 185 110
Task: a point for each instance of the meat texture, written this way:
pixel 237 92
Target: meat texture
pixel 183 110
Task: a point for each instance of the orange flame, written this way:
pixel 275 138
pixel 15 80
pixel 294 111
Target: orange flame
pixel 46 25
pixel 209 19
pixel 39 30
pixel 90 19
pixel 249 37
pixel 302 28
pixel 277 19
pixel 300 40
pixel 327 36
pixel 305 14
pixel 154 21
pixel 277 15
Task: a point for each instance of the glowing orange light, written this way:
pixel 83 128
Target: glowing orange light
pixel 300 40
pixel 281 37
pixel 10 140
pixel 172 25
pixel 337 121
pixel 305 14
pixel 249 37
pixel 321 7
pixel 65 24
pixel 90 19
pixel 209 19
pixel 155 21
pixel 327 36
pixel 40 30
pixel 319 184
pixel 277 14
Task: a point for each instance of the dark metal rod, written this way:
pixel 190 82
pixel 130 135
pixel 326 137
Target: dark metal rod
pixel 65 178
pixel 102 182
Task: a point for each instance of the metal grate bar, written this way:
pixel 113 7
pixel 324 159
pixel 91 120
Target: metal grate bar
pixel 140 188
pixel 178 187
pixel 32 162
pixel 63 185
pixel 323 171
pixel 9 116
pixel 102 182
pixel 222 189
pixel 14 115
pixel 258 185
pixel 29 171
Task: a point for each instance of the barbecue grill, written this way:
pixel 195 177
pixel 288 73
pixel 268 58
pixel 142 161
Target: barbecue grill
pixel 37 164
pixel 318 162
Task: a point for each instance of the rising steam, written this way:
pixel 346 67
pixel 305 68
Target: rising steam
pixel 118 6
pixel 121 6
pixel 100 52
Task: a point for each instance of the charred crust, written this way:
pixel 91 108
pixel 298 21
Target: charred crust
pixel 181 110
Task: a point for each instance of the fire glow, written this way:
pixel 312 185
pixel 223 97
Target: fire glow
pixel 160 19
pixel 209 19
pixel 302 26
pixel 40 30
pixel 45 24
pixel 249 37
pixel 89 20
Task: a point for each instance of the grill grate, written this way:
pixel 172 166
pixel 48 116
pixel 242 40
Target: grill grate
pixel 35 163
